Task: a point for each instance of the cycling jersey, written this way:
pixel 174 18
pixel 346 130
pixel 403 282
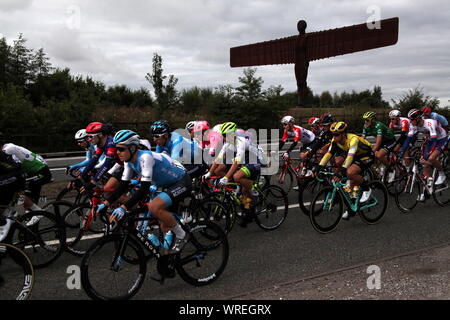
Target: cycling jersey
pixel 439 118
pixel 378 130
pixel 110 158
pixel 31 162
pixel 243 150
pixel 298 134
pixel 11 178
pixel 354 145
pixel 429 127
pixel 215 138
pixel 89 154
pixel 181 149
pixel 157 168
pixel 402 125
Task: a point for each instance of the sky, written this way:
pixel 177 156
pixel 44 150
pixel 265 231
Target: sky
pixel 114 41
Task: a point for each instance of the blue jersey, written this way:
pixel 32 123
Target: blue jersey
pixel 108 150
pixel 181 149
pixel 439 118
pixel 89 154
pixel 159 169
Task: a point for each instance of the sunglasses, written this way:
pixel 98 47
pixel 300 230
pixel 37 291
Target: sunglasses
pixel 121 149
pixel 336 134
pixel 158 136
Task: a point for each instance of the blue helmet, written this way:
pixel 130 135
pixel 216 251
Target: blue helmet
pixel 126 137
pixel 160 127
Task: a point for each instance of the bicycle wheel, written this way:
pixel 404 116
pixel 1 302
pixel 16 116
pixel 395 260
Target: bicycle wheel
pixel 71 195
pixel 215 211
pixel 16 273
pixel 407 191
pixel 204 258
pixel 441 194
pixel 379 195
pixel 59 208
pixel 306 192
pixel 43 240
pixel 283 179
pixel 272 208
pixel 78 239
pixel 326 210
pixel 105 275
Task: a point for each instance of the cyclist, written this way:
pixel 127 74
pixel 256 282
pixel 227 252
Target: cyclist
pixel 154 169
pixel 402 124
pixel 245 166
pixel 433 148
pixel 427 114
pixel 385 138
pixel 215 139
pixel 323 135
pixel 178 148
pixel 99 135
pixel 82 138
pixel 359 158
pixel 314 123
pixel 34 167
pixel 189 126
pixel 298 133
pixel 11 181
pixel 200 134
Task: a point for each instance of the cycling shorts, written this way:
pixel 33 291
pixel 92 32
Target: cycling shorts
pixel 440 146
pixel 10 184
pixel 252 171
pixel 175 193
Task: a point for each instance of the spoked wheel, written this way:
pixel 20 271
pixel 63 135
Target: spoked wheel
pixel 407 192
pixel 326 210
pixel 107 275
pixel 215 211
pixel 306 192
pixel 272 208
pixel 41 235
pixel 204 258
pixel 16 273
pixel 376 205
pixel 283 179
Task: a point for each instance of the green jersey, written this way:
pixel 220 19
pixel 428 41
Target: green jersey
pixel 379 130
pixel 31 162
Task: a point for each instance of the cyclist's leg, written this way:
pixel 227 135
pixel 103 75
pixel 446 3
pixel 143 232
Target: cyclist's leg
pixel 32 195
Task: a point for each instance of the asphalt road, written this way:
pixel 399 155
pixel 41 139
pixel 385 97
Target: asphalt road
pixel 260 259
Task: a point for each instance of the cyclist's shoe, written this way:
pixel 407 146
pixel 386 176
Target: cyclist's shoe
pixel 345 215
pixel 33 220
pixel 5 225
pixel 179 243
pixel 391 177
pixel 423 197
pixel 295 188
pixel 365 196
pixel 246 218
pixel 441 177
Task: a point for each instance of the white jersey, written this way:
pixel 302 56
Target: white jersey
pixel 243 150
pixel 430 127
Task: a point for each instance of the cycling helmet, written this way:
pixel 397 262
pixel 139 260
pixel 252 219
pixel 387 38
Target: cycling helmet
pixel 394 114
pixel 81 135
pixel 338 127
pixel 326 119
pixel 201 126
pixel 227 127
pixel 313 121
pixel 160 127
pixel 369 115
pixel 94 127
pixel 190 125
pixel 414 114
pixel 426 110
pixel 287 119
pixel 126 137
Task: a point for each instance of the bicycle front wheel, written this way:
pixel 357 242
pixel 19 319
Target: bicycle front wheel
pixel 272 208
pixel 283 179
pixel 204 258
pixel 215 211
pixel 326 210
pixel 407 192
pixel 16 273
pixel 379 194
pixel 107 275
pixel 306 192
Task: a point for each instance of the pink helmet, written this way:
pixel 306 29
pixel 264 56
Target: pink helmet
pixel 201 126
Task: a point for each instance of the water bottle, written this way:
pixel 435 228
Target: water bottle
pixel 153 239
pixel 168 238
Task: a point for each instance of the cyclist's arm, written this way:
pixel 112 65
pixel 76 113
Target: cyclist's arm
pixel 326 158
pixel 109 162
pixel 351 152
pixel 378 142
pixel 91 164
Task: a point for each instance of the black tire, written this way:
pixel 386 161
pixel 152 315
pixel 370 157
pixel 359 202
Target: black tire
pixel 374 214
pixel 70 195
pixel 406 194
pixel 98 276
pixel 441 194
pixel 215 211
pixel 43 242
pixel 306 192
pixel 207 242
pixel 272 208
pixel 325 221
pixel 399 171
pixel 283 180
pixel 16 273
pixel 59 208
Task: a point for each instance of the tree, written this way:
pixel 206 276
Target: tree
pixel 251 88
pixel 326 99
pixel 415 99
pixel 166 95
pixel 20 62
pixel 5 52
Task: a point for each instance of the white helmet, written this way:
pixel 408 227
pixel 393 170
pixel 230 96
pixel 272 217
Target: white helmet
pixel 190 125
pixel 394 114
pixel 81 134
pixel 287 119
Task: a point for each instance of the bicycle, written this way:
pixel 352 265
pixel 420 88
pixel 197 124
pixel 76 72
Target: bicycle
pixel 323 214
pixel 413 188
pixel 125 251
pixel 16 273
pixel 394 170
pixel 269 209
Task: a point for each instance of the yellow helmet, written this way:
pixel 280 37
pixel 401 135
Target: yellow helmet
pixel 227 127
pixel 338 127
pixel 369 115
